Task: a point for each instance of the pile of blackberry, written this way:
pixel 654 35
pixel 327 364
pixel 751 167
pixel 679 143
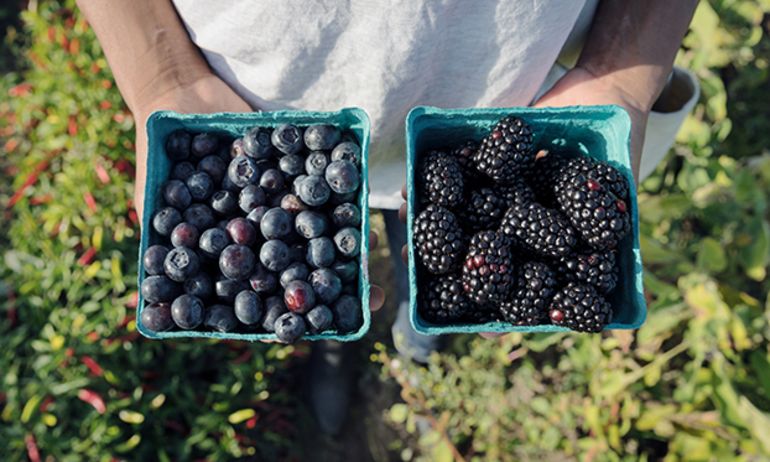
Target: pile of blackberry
pixel 257 234
pixel 507 232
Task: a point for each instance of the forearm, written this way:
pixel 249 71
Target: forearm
pixel 632 44
pixel 146 45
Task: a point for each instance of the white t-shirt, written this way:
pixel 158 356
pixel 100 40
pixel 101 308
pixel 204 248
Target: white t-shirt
pixel 385 57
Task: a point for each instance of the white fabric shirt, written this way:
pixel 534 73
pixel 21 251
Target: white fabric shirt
pixel 386 57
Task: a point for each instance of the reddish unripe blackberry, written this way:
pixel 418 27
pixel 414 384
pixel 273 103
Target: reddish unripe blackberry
pixel 487 273
pixel 581 308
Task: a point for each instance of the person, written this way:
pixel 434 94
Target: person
pixel 386 57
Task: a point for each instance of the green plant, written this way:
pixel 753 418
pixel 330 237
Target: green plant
pixel 693 382
pixel 76 380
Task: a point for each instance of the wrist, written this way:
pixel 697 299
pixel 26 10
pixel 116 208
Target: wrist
pixel 638 86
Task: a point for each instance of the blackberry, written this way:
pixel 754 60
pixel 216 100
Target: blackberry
pixel 444 301
pixel 442 181
pixel 580 308
pixel 438 239
pixel 481 314
pixel 595 268
pixel 542 177
pixel 464 156
pixel 507 151
pixel 517 192
pixel 536 285
pixel 594 196
pixel 487 273
pixel 483 210
pixel 539 230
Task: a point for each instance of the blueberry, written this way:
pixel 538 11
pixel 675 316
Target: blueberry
pixel 243 171
pixel 299 296
pixel 160 289
pixel 292 165
pixel 248 307
pixel 263 281
pixel 293 204
pixel 237 262
pixel 241 231
pixel 187 311
pixel 349 151
pixel 178 145
pixel 165 220
pixel 346 270
pixel 251 197
pixel 182 171
pixel 326 284
pixel 297 252
pixel 272 181
pixel 220 318
pixel 342 176
pixel 213 241
pixel 274 254
pixel 295 271
pixel 228 185
pixel 276 223
pixel 289 327
pixel 345 215
pixel 338 199
pixel 314 191
pixel 319 319
pixel 176 194
pixel 222 224
pixel 255 216
pixel 224 202
pixel 287 138
pixel 320 252
pixel 275 200
pixel 256 143
pixel 157 317
pixel 227 289
pixel 200 215
pixel 185 235
pixel 181 263
pixel 348 242
pixel 297 181
pixel 237 148
pixel 310 224
pixel 204 144
pixel 316 162
pixel 214 166
pixel 153 259
pixel 199 286
pixel 322 137
pixel 201 186
pixel 274 308
pixel 347 313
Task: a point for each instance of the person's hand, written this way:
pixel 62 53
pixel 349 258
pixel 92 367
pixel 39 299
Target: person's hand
pixel 204 95
pixel 580 87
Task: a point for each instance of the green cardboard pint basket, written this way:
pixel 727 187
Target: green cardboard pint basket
pixel 162 123
pixel 601 132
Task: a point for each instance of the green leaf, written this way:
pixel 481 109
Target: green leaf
pixel 241 416
pixel 398 413
pixel 29 408
pixel 711 255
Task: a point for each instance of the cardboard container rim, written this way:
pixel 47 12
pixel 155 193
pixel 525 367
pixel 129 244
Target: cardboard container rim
pixel 271 118
pixel 611 112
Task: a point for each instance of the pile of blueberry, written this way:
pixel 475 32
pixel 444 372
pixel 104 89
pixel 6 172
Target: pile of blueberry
pixel 257 234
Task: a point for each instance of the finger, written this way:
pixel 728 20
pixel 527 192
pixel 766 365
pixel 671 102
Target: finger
pixel 402 213
pixel 403 191
pixel 374 240
pixel 490 334
pixel 405 254
pixel 376 298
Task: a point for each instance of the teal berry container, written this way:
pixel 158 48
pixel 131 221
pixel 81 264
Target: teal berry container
pixel 162 123
pixel 601 132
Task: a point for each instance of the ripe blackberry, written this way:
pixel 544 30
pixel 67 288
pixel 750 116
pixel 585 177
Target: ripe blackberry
pixel 539 230
pixel 517 192
pixel 481 314
pixel 444 301
pixel 507 151
pixel 580 308
pixel 464 156
pixel 543 176
pixel 595 268
pixel 442 182
pixel 594 196
pixel 438 239
pixel 487 273
pixel 483 209
pixel 535 287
